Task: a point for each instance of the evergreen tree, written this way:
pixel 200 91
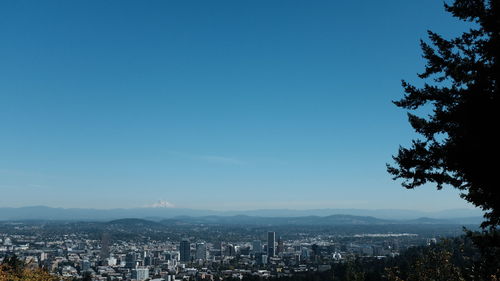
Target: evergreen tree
pixel 458 144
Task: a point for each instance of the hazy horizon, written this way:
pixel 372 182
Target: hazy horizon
pixel 245 210
pixel 460 216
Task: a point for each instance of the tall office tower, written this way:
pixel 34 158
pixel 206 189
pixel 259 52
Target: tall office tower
pixel 201 251
pixel 185 250
pixel 256 246
pixel 271 240
pixel 281 247
pixel 230 251
pixel 316 252
pixel 304 253
pixel 131 260
pixel 261 258
pixel 105 242
pixel 148 261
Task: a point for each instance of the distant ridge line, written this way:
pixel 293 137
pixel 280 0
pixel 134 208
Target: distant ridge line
pixel 159 214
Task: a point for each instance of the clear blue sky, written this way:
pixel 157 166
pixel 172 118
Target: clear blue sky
pixel 210 104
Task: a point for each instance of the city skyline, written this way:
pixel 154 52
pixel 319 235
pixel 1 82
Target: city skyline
pixel 222 105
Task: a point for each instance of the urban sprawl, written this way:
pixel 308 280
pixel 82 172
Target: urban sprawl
pixel 107 258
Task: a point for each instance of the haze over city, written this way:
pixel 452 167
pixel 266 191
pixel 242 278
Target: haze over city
pixel 220 105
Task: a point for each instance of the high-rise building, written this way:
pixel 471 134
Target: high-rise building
pixel 316 252
pixel 271 241
pixel 256 246
pixel 105 242
pixel 230 250
pixel 201 251
pixel 131 260
pixel 261 258
pixel 281 247
pixel 140 273
pixel 304 253
pixel 185 250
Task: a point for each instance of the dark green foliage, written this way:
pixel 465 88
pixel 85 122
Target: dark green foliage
pixel 310 276
pixel 488 243
pixel 354 272
pixel 448 260
pixel 459 145
pixel 452 259
pixel 434 265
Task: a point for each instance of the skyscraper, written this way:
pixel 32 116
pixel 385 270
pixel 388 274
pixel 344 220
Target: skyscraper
pixel 185 251
pixel 281 247
pixel 131 260
pixel 271 240
pixel 201 251
pixel 229 251
pixel 256 246
pixel 105 241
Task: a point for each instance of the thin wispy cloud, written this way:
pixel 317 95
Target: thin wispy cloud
pixel 36 185
pixel 220 159
pixel 209 158
pixel 291 204
pixel 24 174
pixel 13 172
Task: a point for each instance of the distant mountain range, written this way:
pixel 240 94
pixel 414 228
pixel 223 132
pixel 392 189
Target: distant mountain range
pixel 332 220
pixel 270 216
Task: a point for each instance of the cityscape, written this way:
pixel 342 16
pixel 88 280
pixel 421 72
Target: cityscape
pixel 73 250
pixel 249 140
